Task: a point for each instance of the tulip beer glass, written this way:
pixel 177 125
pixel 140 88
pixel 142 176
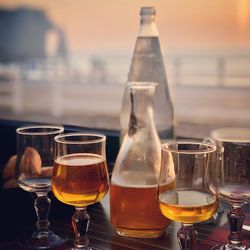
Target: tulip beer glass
pixel 233 161
pixel 80 177
pixel 194 196
pixel 35 160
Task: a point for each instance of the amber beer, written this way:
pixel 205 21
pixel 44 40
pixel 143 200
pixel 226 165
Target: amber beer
pixel 135 211
pixel 188 206
pixel 80 179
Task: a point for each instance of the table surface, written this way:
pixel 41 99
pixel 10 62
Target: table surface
pixel 18 215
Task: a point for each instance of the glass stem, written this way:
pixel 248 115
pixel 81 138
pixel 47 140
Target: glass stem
pixel 80 222
pixel 235 219
pixel 187 237
pixel 42 207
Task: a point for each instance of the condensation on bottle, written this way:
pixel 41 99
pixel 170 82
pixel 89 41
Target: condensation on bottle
pixel 148 66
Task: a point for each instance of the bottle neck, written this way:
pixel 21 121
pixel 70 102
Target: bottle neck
pixel 148 26
pixel 141 116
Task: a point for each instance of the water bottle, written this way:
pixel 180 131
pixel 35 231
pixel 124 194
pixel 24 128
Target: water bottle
pixel 148 66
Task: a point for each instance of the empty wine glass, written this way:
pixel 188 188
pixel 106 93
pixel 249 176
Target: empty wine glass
pixel 188 167
pixel 35 158
pixel 80 177
pixel 233 161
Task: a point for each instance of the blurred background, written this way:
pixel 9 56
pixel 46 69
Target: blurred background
pixel 67 61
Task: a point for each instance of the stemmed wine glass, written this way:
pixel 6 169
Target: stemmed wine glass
pixel 80 177
pixel 187 166
pixel 234 186
pixel 35 158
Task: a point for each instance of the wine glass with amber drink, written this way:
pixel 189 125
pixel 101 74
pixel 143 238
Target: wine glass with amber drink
pixel 194 197
pixel 80 177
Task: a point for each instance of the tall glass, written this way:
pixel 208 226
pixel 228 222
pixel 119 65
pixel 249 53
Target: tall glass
pixel 35 158
pixel 194 197
pixel 233 160
pixel 147 65
pixel 80 177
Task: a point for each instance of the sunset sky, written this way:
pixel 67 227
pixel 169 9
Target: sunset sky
pixel 113 24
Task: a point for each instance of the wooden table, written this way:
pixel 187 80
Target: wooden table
pixel 17 216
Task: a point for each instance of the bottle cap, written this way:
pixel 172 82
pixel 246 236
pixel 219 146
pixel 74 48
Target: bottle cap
pixel 147 11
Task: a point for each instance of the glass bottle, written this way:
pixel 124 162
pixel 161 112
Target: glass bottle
pixel 134 209
pixel 148 66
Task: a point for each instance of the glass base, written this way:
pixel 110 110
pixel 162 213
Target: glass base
pixel 42 240
pixel 229 247
pixel 84 248
pixel 246 227
pixel 69 246
pixel 140 233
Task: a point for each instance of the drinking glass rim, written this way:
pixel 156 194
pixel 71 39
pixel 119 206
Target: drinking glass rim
pixel 56 130
pixel 210 147
pixel 99 138
pixel 231 134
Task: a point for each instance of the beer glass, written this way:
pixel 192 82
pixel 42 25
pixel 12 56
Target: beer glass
pixel 35 158
pixel 194 198
pixel 80 177
pixel 233 161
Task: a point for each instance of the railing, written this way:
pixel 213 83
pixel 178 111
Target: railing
pixel 211 70
pixel 56 97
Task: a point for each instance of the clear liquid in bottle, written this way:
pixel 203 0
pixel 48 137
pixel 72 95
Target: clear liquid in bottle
pixel 148 66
